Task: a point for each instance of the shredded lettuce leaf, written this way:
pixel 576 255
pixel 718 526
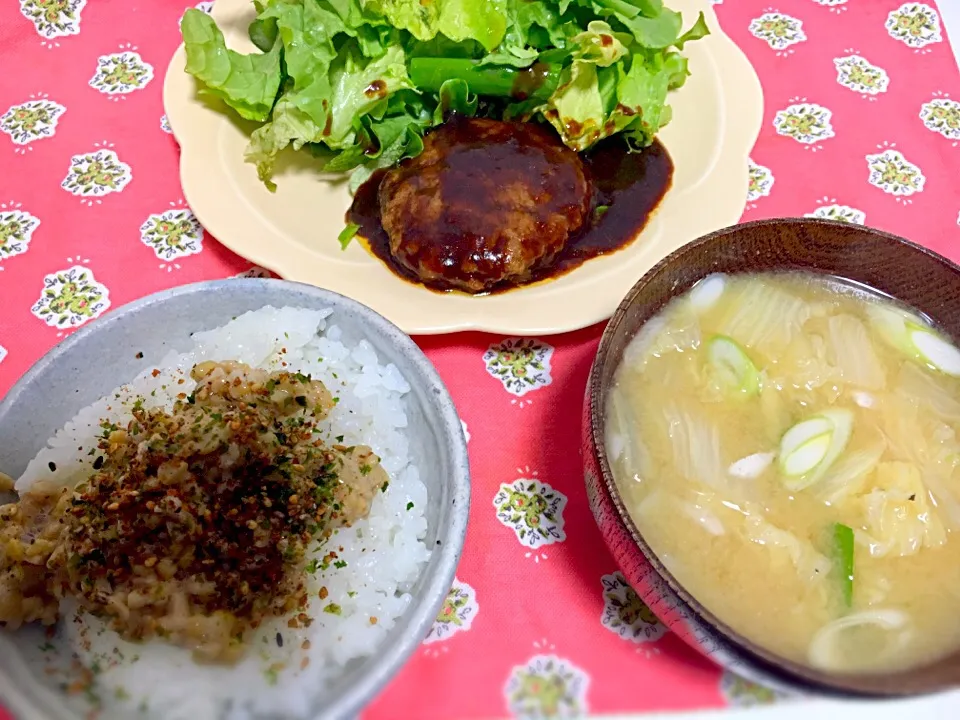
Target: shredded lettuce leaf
pixel 765 318
pixel 900 518
pixel 247 83
pixel 358 82
pixel 784 546
pixel 696 446
pixel 849 475
pixel 852 352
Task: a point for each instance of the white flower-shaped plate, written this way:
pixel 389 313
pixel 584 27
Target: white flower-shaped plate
pixel 716 120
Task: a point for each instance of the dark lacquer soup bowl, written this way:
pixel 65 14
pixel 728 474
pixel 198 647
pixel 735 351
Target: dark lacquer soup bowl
pixel 885 263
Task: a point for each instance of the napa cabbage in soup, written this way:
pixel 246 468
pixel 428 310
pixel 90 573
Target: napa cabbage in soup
pixel 787 446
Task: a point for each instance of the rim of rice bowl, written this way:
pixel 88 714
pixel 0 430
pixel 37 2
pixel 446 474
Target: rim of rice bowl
pixel 357 649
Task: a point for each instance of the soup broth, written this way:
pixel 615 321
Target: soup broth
pixel 787 445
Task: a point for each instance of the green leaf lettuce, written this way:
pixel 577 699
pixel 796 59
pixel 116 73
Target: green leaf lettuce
pixel 359 82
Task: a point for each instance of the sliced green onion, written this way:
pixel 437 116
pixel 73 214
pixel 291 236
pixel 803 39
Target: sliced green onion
pixel 733 366
pixel 826 648
pixel 934 350
pixel 891 324
pixel 806 457
pixel 751 466
pixel 802 433
pixel 843 547
pixel 909 334
pixel 706 292
pixel 809 448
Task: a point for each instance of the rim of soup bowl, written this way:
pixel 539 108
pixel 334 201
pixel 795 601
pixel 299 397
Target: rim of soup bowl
pixel 732 650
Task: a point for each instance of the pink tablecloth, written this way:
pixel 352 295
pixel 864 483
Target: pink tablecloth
pixel 859 125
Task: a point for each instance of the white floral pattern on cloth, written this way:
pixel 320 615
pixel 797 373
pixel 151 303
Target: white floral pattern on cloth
pixel 165 125
pixel 761 182
pixel 533 510
pixel 807 123
pixel 255 272
pixel 779 31
pixel 915 24
pixel 942 115
pixel 53 18
pixel 842 213
pixel 96 174
pixel 894 174
pixel 742 693
pixel 16 230
pixel 456 614
pixel 547 687
pixel 466 430
pixel 3 353
pixel 121 73
pixel 625 614
pixel 521 364
pixel 172 234
pixel 32 120
pixel 834 5
pixel 70 298
pixel 858 74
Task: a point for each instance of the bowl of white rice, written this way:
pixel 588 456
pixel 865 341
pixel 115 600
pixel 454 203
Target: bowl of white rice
pixel 393 567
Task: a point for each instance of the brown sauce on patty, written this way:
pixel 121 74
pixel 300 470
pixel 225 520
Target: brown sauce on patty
pixel 470 170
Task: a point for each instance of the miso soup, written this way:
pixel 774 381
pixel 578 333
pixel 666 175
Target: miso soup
pixel 788 446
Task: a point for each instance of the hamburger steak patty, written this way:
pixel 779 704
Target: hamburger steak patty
pixel 485 202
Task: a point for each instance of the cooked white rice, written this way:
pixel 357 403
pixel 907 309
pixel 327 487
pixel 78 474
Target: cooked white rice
pixel 384 553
